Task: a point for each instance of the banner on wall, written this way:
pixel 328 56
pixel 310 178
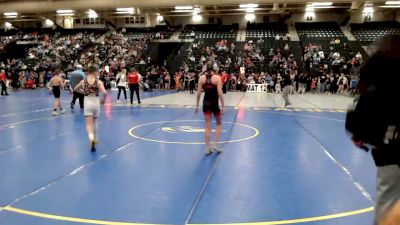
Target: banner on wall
pixel 257 87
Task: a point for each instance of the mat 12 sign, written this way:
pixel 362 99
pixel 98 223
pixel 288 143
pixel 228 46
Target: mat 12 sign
pixel 257 87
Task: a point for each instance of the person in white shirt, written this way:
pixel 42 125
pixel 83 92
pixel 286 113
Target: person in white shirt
pixel 342 83
pixel 321 54
pixel 359 56
pixel 286 47
pixel 215 66
pixel 121 83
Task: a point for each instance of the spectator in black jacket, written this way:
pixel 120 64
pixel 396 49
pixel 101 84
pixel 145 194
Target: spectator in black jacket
pixel 375 120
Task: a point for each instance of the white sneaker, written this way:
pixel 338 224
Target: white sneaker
pixel 216 148
pixel 62 111
pixel 208 150
pixel 55 113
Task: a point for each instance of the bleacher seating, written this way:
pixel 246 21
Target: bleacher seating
pixel 371 31
pixel 152 32
pixel 321 33
pixel 265 30
pixel 324 30
pixel 209 31
pixel 324 35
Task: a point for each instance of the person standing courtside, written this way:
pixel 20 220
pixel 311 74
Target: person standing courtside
pixel 121 83
pixel 134 81
pixel 287 88
pixel 77 76
pixel 374 123
pixel 224 77
pixel 3 80
pixel 212 86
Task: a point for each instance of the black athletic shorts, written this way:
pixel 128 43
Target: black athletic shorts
pixel 211 109
pixel 56 91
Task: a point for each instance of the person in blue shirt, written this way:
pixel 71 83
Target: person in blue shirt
pixel 49 75
pixel 77 76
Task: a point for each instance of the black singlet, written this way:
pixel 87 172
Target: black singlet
pixel 211 97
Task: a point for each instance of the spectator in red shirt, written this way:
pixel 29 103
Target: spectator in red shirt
pixel 224 78
pixel 3 80
pixel 134 80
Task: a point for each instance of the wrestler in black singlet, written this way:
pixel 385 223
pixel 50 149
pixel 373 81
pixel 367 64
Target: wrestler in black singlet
pixel 211 97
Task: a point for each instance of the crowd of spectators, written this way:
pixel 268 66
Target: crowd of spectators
pixel 251 64
pixel 58 50
pixel 5 40
pixel 331 70
pixel 238 63
pixel 13 35
pixel 50 51
pixel 118 50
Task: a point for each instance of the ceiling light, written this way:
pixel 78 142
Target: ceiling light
pixel 321 3
pixel 65 14
pixel 63 11
pixel 250 17
pixel 368 10
pixel 251 5
pixel 123 9
pixel 390 6
pixel 324 7
pixel 309 14
pixel 49 22
pixel 392 3
pixel 182 11
pixel 124 12
pixel 184 7
pixel 160 19
pixel 10 14
pixel 197 18
pixel 250 10
pixel 7 24
pixel 92 14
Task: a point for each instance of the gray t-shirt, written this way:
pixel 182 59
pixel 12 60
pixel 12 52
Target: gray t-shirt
pixel 76 77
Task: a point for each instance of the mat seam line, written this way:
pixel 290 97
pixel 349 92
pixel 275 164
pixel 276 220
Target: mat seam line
pixel 344 169
pixel 211 173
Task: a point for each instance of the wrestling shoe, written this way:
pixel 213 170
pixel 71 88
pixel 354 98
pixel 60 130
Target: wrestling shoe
pixel 93 145
pixel 208 151
pixel 216 148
